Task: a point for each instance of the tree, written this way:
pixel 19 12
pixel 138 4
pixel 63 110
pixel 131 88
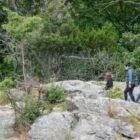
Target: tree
pixel 123 14
pixel 3 14
pixel 26 7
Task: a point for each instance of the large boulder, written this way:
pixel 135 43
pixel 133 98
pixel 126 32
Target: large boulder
pixel 81 126
pixel 55 126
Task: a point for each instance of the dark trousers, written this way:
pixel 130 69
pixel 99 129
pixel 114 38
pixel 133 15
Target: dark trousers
pixel 130 91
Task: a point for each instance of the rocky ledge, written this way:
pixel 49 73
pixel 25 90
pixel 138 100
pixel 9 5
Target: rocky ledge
pixel 89 116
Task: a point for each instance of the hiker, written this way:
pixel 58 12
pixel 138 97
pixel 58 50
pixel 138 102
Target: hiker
pixel 109 80
pixel 130 82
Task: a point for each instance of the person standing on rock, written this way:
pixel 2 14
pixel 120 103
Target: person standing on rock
pixel 109 80
pixel 130 82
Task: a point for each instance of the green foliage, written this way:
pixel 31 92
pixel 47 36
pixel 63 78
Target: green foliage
pixel 124 15
pixel 136 56
pixel 6 83
pixel 26 7
pixel 71 28
pixel 55 94
pixel 84 12
pixel 115 92
pixel 56 29
pixel 4 86
pixel 6 67
pixel 32 109
pixel 130 41
pixel 104 38
pixel 133 57
pixel 19 26
pixel 47 106
pixel 3 13
pixel 87 67
pixel 61 107
pixel 137 71
pixel 4 98
pixel 27 112
pixel 59 33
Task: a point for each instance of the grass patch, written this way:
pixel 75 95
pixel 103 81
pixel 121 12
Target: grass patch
pixel 61 107
pixel 4 86
pixel 4 98
pixel 115 93
pixel 68 136
pixel 133 121
pixel 100 83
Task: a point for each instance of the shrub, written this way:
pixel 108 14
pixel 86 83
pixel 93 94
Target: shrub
pixel 130 40
pixel 6 83
pixel 32 109
pixel 55 94
pixel 115 92
pixel 26 112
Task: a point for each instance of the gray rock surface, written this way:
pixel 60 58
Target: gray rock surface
pixel 101 105
pixel 55 126
pixel 77 87
pixel 92 116
pixel 6 122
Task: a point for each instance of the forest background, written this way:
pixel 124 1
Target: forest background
pixel 71 39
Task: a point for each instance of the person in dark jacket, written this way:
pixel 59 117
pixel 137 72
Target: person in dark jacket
pixel 109 80
pixel 130 82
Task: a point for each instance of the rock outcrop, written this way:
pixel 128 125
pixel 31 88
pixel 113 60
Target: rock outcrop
pixel 7 120
pixel 90 116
